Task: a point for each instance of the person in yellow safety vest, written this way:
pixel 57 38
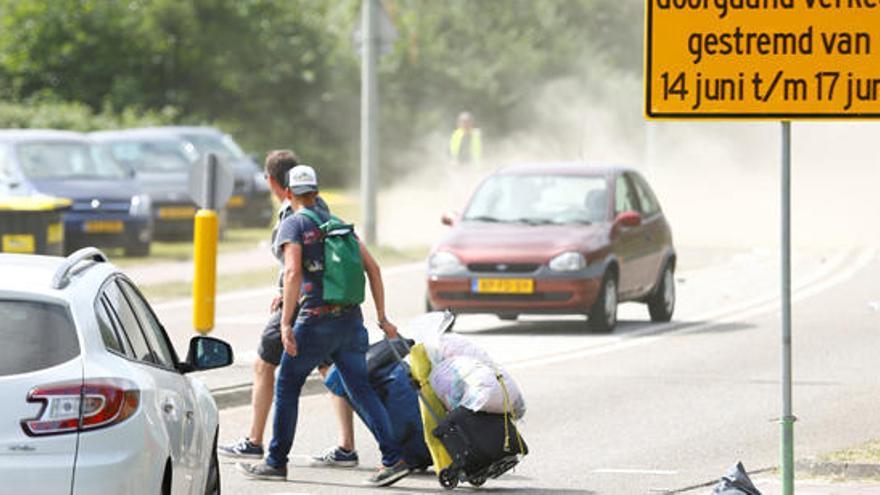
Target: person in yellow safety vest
pixel 465 145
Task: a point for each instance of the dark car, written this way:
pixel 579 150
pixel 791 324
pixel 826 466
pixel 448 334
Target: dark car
pixel 109 208
pixel 162 164
pixel 557 239
pixel 251 203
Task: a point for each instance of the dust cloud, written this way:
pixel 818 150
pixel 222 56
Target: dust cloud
pixel 718 182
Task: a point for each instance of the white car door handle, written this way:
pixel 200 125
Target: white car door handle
pixel 168 408
pixel 189 415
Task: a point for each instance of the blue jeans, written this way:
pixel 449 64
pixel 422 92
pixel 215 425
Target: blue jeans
pixel 343 338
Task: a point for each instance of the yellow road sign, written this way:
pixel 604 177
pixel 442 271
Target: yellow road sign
pixel 762 59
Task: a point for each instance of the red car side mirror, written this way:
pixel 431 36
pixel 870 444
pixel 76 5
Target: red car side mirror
pixel 448 219
pixel 628 219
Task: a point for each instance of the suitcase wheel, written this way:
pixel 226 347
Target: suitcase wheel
pixel 448 479
pixel 477 481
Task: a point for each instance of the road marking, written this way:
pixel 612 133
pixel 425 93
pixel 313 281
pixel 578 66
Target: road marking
pixel 715 318
pixel 658 472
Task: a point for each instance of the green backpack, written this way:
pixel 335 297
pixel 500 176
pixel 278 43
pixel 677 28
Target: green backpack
pixel 343 267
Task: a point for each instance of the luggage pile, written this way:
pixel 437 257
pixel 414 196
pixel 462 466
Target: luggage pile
pixel 452 406
pixel 470 405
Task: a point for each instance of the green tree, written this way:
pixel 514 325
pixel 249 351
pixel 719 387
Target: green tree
pixel 284 73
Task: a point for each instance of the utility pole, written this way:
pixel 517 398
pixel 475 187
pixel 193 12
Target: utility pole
pixel 369 119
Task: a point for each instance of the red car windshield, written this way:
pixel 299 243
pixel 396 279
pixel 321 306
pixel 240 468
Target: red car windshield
pixel 540 199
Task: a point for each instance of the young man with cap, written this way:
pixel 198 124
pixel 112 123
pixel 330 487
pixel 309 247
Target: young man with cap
pixel 279 163
pixel 322 330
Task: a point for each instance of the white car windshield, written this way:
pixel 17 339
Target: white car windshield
pixel 222 145
pixel 152 156
pixel 540 199
pixel 67 160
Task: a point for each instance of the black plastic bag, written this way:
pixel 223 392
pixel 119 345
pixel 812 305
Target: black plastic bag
pixel 735 482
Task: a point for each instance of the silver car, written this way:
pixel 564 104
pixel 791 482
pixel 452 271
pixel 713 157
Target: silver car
pixel 162 165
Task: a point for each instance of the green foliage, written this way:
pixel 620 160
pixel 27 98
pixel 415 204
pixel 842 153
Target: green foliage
pixel 284 73
pixel 77 116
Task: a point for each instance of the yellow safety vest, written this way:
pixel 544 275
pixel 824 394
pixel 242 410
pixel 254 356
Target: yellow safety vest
pixel 476 145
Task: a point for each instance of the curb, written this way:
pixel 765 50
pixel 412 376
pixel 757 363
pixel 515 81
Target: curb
pixel 240 395
pixel 845 470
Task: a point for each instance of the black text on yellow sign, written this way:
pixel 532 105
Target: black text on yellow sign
pixel 773 59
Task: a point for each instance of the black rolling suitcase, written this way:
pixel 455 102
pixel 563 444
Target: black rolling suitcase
pixel 482 446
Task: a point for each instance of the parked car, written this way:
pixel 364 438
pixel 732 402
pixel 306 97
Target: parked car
pixel 95 399
pixel 109 208
pixel 162 165
pixel 556 239
pixel 251 203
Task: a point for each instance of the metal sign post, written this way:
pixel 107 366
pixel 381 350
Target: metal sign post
pixel 785 243
pixel 773 61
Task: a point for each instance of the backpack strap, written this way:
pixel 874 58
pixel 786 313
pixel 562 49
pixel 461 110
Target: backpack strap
pixel 311 216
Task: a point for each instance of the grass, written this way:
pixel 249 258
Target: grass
pixel 234 240
pixel 866 453
pixel 266 277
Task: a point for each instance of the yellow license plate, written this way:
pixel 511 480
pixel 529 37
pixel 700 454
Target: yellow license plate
pixel 103 227
pixel 55 233
pixel 15 243
pixel 176 212
pixel 503 286
pixel 235 202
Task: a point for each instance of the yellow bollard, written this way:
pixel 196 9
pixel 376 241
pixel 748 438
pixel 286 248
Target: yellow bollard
pixel 205 276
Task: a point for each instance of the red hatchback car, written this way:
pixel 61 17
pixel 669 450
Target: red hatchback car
pixel 556 239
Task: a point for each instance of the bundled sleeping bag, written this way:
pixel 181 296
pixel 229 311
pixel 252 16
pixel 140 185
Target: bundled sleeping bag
pixel 466 381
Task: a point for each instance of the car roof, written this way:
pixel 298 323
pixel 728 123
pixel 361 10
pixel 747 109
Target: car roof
pixel 182 129
pixel 19 135
pixel 563 168
pixel 147 133
pixel 28 273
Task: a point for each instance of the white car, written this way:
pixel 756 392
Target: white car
pixel 94 398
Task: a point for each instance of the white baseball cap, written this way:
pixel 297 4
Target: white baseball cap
pixel 302 179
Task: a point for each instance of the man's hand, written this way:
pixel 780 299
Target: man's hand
pixel 288 341
pixel 276 304
pixel 389 328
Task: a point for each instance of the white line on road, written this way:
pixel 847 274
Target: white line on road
pixel 658 472
pixel 736 313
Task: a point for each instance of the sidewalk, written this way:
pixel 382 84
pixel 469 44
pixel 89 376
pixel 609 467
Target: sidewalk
pixel 182 271
pixel 772 486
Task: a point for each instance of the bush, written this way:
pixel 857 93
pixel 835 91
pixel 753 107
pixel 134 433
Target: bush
pixel 77 116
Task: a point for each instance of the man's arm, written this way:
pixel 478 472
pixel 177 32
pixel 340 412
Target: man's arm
pixel 377 289
pixel 292 282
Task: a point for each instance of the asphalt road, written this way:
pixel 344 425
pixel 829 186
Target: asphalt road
pixel 647 409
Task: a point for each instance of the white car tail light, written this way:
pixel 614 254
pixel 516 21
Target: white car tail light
pixel 81 406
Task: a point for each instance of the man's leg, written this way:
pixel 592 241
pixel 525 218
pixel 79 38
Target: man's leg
pixel 341 407
pixel 343 454
pixel 292 375
pixel 345 421
pixel 261 398
pixel 352 363
pixel 269 355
